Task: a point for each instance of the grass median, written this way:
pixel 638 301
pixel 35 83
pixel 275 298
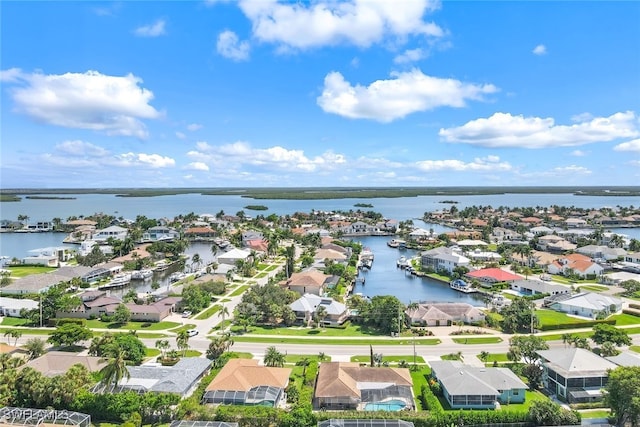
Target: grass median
pixel 477 340
pixel 335 341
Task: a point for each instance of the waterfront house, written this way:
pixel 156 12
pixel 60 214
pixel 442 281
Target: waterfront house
pixel 96 303
pixel 574 375
pixel 35 283
pixel 443 314
pixel 244 382
pixel 602 253
pixel 114 231
pixel 54 363
pixel 443 259
pixel 233 256
pixel 160 233
pixel 589 304
pixel 308 282
pixel 471 387
pixel 535 287
pixel 45 260
pixel 492 275
pixel 306 306
pixel 349 386
pixel 575 223
pixel 578 264
pixel 181 378
pixel 196 233
pixel 359 228
pixel 331 254
pixel 11 307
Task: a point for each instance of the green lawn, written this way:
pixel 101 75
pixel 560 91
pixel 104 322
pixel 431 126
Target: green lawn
pixel 14 321
pixel 222 325
pixel 151 352
pixel 30 331
pixel 350 330
pixel 551 317
pixel 183 328
pixel 208 312
pixel 239 291
pixel 530 397
pixel 272 267
pixel 22 271
pixel 150 335
pixel 598 413
pixel 478 340
pixel 496 357
pixel 635 348
pixel 240 355
pixel 419 379
pixel 625 319
pixel 558 337
pixel 593 288
pixel 294 358
pixel 329 341
pixel 391 359
pixel 142 326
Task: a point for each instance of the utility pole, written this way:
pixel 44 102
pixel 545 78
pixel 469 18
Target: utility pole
pixel 41 309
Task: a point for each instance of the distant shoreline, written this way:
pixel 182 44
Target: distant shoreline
pixel 322 193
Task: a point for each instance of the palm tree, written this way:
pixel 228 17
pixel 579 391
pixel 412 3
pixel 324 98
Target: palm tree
pixel 224 311
pixel 182 341
pixel 195 260
pixel 218 346
pixel 273 357
pixel 35 347
pixel 484 356
pixel 304 362
pixel 319 315
pixel 163 346
pixel 115 370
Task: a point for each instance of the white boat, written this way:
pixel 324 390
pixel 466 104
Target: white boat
pixel 119 280
pixel 397 243
pixel 461 286
pixel 141 274
pixel 402 262
pixel 176 276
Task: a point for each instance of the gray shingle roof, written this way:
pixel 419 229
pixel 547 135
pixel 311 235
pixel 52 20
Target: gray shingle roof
pixel 461 379
pixel 178 378
pixel 576 362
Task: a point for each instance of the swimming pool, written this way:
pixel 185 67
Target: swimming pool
pixel 387 405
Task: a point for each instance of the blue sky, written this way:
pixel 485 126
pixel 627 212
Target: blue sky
pixel 355 93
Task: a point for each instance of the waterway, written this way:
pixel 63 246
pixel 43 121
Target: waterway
pixel 385 278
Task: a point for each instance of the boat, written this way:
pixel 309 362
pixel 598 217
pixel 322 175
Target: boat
pixel 177 276
pixel 141 274
pixel 397 243
pixel 119 280
pixel 402 262
pixel 462 286
pixel 160 266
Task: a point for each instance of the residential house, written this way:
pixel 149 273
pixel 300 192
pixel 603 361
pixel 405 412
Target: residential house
pixel 11 307
pixel 181 378
pixel 536 259
pixel 531 221
pixel 619 277
pixel 35 283
pixel 541 230
pixel 55 363
pixel 250 235
pixel 233 256
pixel 420 234
pixel 349 386
pixel 160 233
pixel 555 243
pixel 196 233
pixel 479 255
pixel 574 375
pixel 335 256
pixel 96 304
pixel 535 287
pixel 633 258
pixel 45 260
pixel 308 282
pixel 625 358
pixel 244 382
pixel 501 234
pixel 443 259
pixel 471 387
pixel 359 228
pixel 601 252
pixel 589 304
pixel 492 275
pixel 575 223
pixel 443 314
pixel 388 225
pixel 306 306
pixel 114 231
pixel 575 264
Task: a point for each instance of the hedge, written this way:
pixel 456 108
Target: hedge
pixel 631 312
pixel 585 324
pixel 63 321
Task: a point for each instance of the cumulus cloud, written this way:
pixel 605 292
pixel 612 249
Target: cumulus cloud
pixel 82 154
pixel 194 127
pixel 489 163
pixel 578 153
pixel 540 50
pixel 406 93
pixel 180 135
pixel 142 159
pixel 111 104
pixel 410 55
pixel 81 148
pixel 197 166
pixel 633 145
pixel 506 130
pixel 152 30
pixel 304 25
pixel 230 46
pixel 239 154
pixel 571 169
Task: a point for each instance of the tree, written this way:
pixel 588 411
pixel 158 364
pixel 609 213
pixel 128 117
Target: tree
pixel 304 362
pixel 224 312
pixel 182 341
pixel 122 314
pixel 163 346
pixel 518 316
pixel 608 333
pixel 196 260
pixel 320 314
pixel 622 395
pixel 484 356
pixel 273 357
pixel 608 349
pixel 548 413
pixel 218 346
pixel 195 298
pixel 115 370
pixel 525 347
pixel 13 333
pixel 69 334
pixel 35 347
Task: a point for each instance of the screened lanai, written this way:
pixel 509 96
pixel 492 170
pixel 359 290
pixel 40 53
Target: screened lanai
pixel 256 396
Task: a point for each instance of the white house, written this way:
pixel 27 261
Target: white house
pixel 443 259
pixel 11 307
pixel 589 305
pixel 307 305
pixel 233 256
pixel 114 231
pixel 575 264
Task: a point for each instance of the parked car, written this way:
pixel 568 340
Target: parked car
pixel 192 332
pixel 186 313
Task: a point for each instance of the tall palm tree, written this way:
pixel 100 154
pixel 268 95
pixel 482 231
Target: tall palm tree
pixel 273 357
pixel 182 341
pixel 163 346
pixel 319 315
pixel 224 311
pixel 115 370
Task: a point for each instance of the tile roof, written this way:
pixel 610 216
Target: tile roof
pixel 308 278
pixel 495 274
pixel 58 362
pixel 345 378
pixel 245 374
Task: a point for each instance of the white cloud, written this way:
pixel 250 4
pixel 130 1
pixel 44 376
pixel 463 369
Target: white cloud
pixel 81 148
pixel 197 166
pixel 111 104
pixel 242 154
pixel 387 100
pixel 303 25
pixel 540 50
pixel 578 153
pixel 489 163
pixel 180 135
pixel 142 159
pixel 194 127
pixel 571 169
pixel 230 46
pixel 410 55
pixel 505 130
pixel 633 145
pixel 152 30
pixel 11 75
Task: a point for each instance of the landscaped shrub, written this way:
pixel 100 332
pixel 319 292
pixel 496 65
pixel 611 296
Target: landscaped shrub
pixel 631 312
pixel 585 324
pixel 636 306
pixel 60 322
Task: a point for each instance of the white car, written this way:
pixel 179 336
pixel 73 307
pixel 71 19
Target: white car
pixel 192 332
pixel 186 313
